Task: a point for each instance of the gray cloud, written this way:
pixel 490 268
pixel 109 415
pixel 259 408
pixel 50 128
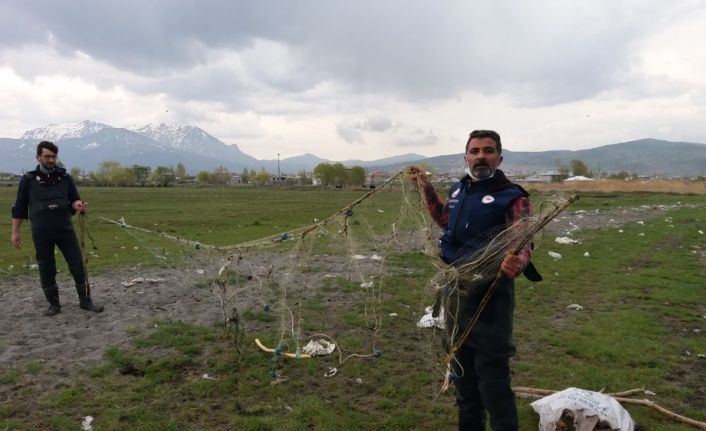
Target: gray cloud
pixel 542 54
pixel 348 133
pixel 377 124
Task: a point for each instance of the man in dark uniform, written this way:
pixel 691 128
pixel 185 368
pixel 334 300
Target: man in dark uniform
pixel 48 196
pixel 483 202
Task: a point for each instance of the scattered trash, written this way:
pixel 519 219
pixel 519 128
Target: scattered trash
pixel 393 314
pixel 574 307
pixel 207 377
pixel 701 232
pixel 620 231
pixel 366 285
pixel 200 271
pixel 139 280
pixel 429 321
pixel 641 234
pixel 586 254
pixel 358 381
pixel 555 255
pixel 319 348
pixel 641 222
pixel 566 240
pixel 380 211
pixel 582 409
pixel 701 356
pixel 330 372
pixel 86 423
pixel 361 257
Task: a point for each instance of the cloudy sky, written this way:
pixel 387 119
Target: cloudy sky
pixel 361 79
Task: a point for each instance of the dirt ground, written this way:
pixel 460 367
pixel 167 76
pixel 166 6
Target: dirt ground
pixel 75 338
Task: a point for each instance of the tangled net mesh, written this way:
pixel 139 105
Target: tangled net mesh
pixel 328 279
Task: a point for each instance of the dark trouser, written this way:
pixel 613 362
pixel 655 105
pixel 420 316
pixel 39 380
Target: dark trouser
pixel 44 243
pixel 484 385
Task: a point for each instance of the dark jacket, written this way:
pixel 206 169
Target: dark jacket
pixel 46 198
pixel 477 211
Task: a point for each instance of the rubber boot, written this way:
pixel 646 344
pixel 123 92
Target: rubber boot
pixel 85 301
pixel 52 295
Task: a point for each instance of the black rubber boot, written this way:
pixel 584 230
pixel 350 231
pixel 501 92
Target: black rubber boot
pixel 85 301
pixel 53 310
pixel 52 295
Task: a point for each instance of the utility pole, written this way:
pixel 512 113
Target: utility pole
pixel 279 177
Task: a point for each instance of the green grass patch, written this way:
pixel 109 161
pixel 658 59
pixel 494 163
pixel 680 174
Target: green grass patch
pixel 642 299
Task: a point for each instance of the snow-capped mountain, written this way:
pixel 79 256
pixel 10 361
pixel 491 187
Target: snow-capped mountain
pixel 194 140
pixel 85 144
pixel 57 132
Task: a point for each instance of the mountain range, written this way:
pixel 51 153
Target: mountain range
pixel 86 144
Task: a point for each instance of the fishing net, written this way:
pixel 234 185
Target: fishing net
pixel 328 280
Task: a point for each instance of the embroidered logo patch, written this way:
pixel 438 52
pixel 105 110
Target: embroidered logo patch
pixel 455 193
pixel 487 199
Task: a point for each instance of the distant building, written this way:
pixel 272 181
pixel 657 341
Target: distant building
pixel 376 178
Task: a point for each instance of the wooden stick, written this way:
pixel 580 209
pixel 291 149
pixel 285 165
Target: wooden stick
pixel 523 392
pixel 285 354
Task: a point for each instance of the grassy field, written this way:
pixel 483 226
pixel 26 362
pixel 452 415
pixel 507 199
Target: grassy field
pixel 642 290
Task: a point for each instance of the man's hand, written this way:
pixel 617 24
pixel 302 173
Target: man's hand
pixel 512 265
pixel 17 239
pixel 418 176
pixel 80 206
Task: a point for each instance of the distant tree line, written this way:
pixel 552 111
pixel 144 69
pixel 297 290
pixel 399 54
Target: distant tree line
pixel 338 175
pixel 112 173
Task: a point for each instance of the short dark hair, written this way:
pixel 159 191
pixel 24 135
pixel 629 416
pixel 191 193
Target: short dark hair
pixel 49 145
pixel 486 134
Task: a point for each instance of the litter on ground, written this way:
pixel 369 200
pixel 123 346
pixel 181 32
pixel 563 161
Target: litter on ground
pixel 429 321
pixel 319 348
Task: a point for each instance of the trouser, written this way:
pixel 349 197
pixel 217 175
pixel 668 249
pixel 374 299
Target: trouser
pixel 483 384
pixel 44 244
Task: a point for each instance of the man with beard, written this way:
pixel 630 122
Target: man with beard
pixel 483 202
pixel 48 196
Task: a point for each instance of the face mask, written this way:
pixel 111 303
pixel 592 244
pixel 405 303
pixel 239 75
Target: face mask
pixel 479 173
pixel 46 169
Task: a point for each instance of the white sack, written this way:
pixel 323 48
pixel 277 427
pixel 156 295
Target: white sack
pixel 584 403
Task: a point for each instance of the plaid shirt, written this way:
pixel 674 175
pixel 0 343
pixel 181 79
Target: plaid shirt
pixel 439 210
